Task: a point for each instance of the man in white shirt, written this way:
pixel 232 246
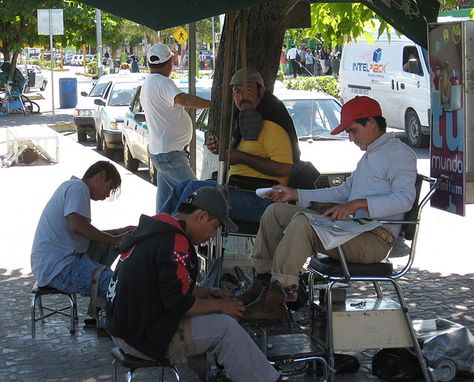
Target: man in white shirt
pixel 169 124
pixel 292 56
pixel 382 187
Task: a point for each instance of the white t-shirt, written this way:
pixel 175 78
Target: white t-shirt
pixel 169 124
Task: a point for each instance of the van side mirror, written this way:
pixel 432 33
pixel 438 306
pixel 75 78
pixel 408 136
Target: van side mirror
pixel 84 94
pixel 99 102
pixel 139 117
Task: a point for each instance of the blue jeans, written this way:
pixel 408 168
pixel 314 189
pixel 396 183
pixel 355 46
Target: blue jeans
pixel 76 277
pixel 245 206
pixel 171 169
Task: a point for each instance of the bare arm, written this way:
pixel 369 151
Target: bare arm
pixel 120 231
pixel 201 306
pixel 192 101
pixel 82 227
pixel 264 165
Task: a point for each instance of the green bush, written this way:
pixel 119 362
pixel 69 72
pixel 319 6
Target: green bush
pixel 325 84
pixel 92 67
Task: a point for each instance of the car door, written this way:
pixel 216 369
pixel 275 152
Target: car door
pixel 137 132
pixel 98 108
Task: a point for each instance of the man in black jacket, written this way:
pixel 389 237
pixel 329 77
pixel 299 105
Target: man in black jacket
pixel 155 310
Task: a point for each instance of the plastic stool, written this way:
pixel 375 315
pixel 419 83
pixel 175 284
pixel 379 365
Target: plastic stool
pixel 133 363
pixel 38 292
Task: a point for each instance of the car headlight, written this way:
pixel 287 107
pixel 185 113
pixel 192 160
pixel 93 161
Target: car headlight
pixel 116 125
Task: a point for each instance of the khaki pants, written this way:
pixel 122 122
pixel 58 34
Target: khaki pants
pixel 283 244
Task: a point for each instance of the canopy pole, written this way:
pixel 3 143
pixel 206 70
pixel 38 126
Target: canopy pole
pixel 225 104
pixel 243 49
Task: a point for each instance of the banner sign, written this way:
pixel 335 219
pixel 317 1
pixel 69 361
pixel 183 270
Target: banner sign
pixel 447 154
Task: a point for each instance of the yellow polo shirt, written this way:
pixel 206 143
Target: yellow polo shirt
pixel 273 143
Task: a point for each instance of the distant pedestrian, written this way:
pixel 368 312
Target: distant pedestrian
pixel 309 61
pixel 202 60
pixel 293 56
pixel 134 65
pixel 169 124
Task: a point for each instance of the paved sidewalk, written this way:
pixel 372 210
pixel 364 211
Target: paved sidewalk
pixel 440 284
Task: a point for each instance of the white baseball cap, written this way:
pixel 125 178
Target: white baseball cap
pixel 158 54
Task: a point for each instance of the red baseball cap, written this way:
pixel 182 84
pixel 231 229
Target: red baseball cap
pixel 357 108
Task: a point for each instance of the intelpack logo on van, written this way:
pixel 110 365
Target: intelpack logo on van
pixel 371 64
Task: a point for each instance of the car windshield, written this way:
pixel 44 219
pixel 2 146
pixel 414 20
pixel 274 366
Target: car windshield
pixel 98 89
pixel 122 94
pixel 314 118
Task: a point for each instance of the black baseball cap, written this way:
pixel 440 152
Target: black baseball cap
pixel 212 200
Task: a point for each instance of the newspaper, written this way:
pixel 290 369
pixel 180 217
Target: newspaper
pixel 334 233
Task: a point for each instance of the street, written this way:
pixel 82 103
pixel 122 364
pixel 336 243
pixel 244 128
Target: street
pixel 441 283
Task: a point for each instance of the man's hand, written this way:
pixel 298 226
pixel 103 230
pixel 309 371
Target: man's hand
pixel 283 194
pixel 233 308
pixel 342 211
pixel 213 144
pixel 218 293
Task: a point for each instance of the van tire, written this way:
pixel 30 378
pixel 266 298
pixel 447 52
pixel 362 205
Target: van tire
pixel 414 136
pixel 130 162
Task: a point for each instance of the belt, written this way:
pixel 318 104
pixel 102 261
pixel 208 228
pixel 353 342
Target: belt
pixel 384 235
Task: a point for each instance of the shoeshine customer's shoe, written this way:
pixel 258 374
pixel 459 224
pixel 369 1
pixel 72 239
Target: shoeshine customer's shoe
pixel 269 307
pixel 253 293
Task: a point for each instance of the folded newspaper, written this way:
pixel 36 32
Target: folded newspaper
pixel 334 233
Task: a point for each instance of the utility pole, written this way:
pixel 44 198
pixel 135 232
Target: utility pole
pixel 98 30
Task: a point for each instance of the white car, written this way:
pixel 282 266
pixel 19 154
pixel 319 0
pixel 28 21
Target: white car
pixel 314 114
pixel 84 112
pixel 37 79
pixel 109 114
pixel 135 134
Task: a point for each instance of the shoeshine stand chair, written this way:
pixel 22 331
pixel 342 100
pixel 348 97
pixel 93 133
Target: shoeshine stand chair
pixel 367 323
pixel 134 363
pixel 38 293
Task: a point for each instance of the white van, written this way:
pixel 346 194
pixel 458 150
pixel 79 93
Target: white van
pixel 394 72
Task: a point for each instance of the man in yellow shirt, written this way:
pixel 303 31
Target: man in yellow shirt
pixel 263 151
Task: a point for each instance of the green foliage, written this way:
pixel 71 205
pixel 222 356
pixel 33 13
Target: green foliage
pixel 325 84
pixel 335 23
pixel 92 67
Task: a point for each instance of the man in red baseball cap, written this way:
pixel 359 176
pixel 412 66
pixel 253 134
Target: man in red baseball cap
pixel 382 187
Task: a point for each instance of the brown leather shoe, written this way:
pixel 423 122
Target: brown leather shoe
pixel 270 307
pixel 253 293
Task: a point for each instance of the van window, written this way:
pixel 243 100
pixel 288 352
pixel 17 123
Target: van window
pixel 411 61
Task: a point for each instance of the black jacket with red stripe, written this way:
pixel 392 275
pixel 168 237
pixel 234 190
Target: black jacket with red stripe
pixel 151 288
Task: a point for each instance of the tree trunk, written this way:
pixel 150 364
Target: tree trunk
pixel 263 54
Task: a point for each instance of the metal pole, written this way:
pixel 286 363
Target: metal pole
pixel 52 62
pixel 213 44
pixel 192 87
pixel 98 31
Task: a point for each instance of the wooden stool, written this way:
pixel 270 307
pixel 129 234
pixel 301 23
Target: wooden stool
pixel 133 363
pixel 38 292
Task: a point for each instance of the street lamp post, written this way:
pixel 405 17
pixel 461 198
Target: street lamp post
pixel 98 30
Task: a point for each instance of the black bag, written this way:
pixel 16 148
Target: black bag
pixel 303 176
pixel 395 365
pixel 298 57
pixel 250 183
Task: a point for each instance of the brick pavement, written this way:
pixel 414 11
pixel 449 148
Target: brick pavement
pixel 55 355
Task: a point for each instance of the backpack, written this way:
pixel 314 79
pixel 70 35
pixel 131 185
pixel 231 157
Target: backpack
pixel 298 57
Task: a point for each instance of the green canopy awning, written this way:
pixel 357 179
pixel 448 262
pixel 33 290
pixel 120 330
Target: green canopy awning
pixel 410 17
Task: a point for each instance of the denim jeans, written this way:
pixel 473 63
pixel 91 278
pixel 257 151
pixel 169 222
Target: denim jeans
pixel 171 169
pixel 245 206
pixel 76 277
